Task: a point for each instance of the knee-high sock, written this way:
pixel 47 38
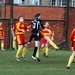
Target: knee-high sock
pixel 2 45
pixel 35 50
pixel 47 51
pixel 44 49
pixel 70 60
pixel 14 44
pixel 53 44
pixel 23 52
pixel 18 51
pixel 37 53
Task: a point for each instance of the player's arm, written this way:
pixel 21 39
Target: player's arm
pixel 26 27
pixel 48 30
pixel 52 35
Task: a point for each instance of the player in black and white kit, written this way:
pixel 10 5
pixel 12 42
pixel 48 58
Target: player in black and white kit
pixel 37 25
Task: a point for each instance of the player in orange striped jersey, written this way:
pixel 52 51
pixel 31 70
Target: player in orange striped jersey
pixel 47 38
pixel 2 36
pixel 20 27
pixel 44 42
pixel 71 58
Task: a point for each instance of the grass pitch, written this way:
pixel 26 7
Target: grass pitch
pixel 54 65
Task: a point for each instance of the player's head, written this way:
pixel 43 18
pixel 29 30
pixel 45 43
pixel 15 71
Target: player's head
pixel 21 19
pixel 37 15
pixel 47 24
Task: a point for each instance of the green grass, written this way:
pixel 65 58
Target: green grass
pixel 54 65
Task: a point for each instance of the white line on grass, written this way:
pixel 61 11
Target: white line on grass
pixel 45 69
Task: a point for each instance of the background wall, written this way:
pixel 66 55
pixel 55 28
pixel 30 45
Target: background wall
pixel 54 15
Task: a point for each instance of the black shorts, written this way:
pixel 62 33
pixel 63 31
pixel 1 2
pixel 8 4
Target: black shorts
pixel 36 37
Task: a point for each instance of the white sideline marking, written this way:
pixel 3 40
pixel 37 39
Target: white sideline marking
pixel 46 69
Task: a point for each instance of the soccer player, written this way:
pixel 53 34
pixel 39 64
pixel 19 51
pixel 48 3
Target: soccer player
pixel 47 37
pixel 37 26
pixel 71 58
pixel 2 36
pixel 42 35
pixel 44 42
pixel 72 50
pixel 20 27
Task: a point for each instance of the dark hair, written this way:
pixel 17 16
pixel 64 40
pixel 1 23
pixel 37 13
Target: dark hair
pixel 37 15
pixel 20 17
pixel 0 21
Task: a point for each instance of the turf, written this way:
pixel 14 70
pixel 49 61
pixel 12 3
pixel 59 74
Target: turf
pixel 54 65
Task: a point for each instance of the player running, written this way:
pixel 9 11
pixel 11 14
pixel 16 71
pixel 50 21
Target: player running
pixel 44 42
pixel 71 58
pixel 2 36
pixel 20 27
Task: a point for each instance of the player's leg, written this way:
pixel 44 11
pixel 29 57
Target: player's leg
pixel 18 52
pixel 36 38
pixel 71 58
pixel 20 46
pixel 24 47
pixel 37 53
pixel 72 50
pixel 35 49
pixel 43 48
pixel 14 40
pixel 31 37
pixel 24 51
pixel 46 51
pixel 43 42
pixel 2 45
pixel 74 60
pixel 51 42
pixel 14 43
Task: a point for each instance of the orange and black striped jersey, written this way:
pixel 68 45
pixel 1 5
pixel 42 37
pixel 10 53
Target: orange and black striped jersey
pixel 18 27
pixel 72 35
pixel 1 32
pixel 46 33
